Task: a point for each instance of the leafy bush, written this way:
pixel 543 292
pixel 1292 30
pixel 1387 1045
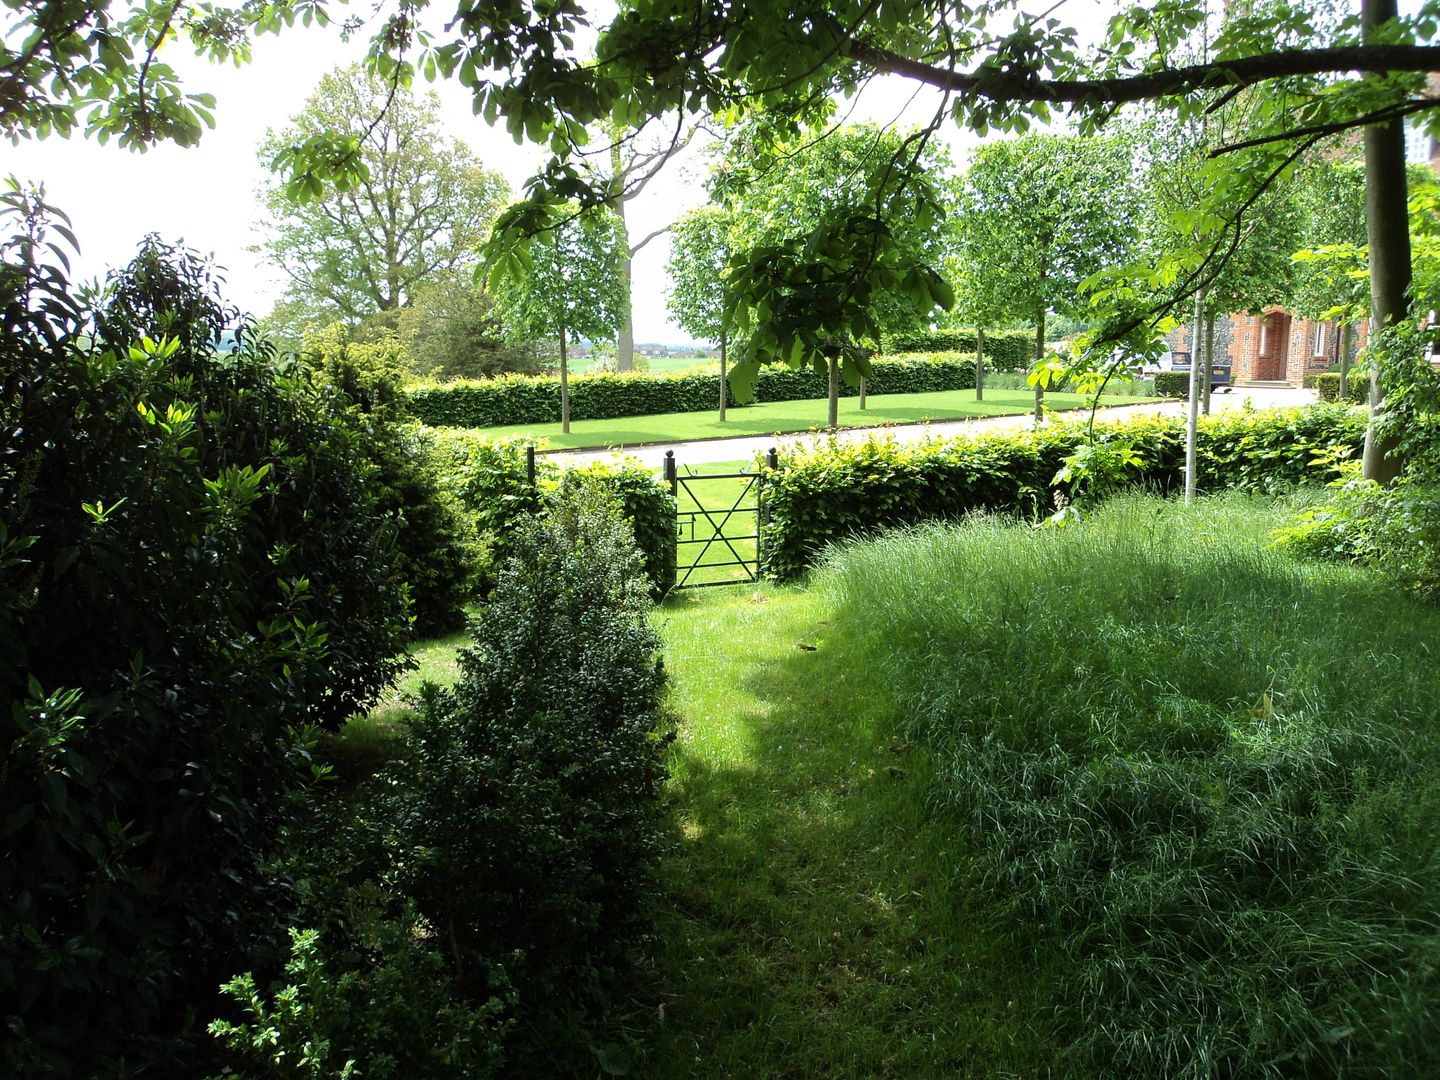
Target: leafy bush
pixel 437 559
pixel 1172 383
pixel 834 490
pixel 1328 384
pixel 536 400
pixel 383 1009
pixel 527 815
pixel 1005 350
pixel 490 480
pixel 192 570
pixel 644 502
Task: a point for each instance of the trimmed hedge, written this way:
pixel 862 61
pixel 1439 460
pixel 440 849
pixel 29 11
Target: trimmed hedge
pixel 1172 383
pixel 521 399
pixel 487 477
pixel 1005 350
pixel 1328 383
pixel 833 490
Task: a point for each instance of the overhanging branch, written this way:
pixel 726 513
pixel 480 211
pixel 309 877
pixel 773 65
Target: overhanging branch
pixel 1242 71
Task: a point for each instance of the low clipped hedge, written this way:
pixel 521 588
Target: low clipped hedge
pixel 535 399
pixel 1172 384
pixel 489 479
pixel 1005 350
pixel 1328 384
pixel 833 490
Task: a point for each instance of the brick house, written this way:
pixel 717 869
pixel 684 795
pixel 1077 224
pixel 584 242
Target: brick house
pixel 1274 348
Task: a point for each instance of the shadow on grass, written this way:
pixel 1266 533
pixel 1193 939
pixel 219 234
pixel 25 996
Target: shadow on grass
pixel 810 925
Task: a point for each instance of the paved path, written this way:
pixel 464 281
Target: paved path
pixel 710 450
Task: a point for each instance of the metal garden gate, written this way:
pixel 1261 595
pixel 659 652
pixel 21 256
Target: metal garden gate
pixel 719 513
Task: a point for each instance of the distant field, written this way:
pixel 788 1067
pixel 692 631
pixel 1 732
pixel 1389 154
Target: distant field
pixel 787 416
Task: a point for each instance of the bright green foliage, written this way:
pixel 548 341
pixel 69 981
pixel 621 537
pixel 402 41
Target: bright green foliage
pixel 423 213
pixel 195 571
pixel 1005 350
pixel 564 283
pixel 1039 215
pixel 699 254
pixel 536 400
pixel 838 490
pixel 833 236
pixel 383 1010
pixel 1197 781
pixel 1331 198
pixel 527 816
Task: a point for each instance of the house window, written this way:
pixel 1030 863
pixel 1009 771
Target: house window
pixel 1264 335
pixel 1319 347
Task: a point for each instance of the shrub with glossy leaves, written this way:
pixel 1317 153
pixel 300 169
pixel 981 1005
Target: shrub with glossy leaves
pixel 192 571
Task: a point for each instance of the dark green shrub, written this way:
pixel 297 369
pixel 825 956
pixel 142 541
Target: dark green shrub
pixel 489 479
pixel 837 490
pixel 527 815
pixel 1172 383
pixel 645 503
pixel 192 570
pixel 437 558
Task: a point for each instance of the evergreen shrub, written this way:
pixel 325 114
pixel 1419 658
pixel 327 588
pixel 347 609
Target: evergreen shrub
pixel 527 816
pixel 1172 384
pixel 193 571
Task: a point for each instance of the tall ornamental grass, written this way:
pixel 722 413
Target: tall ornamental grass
pixel 1201 772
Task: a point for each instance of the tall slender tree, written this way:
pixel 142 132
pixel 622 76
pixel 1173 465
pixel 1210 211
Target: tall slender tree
pixel 699 254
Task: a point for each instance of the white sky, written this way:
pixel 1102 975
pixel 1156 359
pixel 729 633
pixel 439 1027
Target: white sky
pixel 206 196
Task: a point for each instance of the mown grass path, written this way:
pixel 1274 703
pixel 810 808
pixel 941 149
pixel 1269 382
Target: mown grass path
pixel 809 927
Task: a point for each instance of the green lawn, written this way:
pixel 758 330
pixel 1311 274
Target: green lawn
pixel 787 416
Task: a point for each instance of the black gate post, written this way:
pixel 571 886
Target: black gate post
pixel 530 464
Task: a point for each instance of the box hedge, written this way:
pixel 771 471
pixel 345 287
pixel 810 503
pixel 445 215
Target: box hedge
pixel 832 490
pixel 521 399
pixel 1328 384
pixel 1172 383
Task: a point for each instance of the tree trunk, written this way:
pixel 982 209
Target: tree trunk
pixel 834 391
pixel 979 363
pixel 1209 375
pixel 1345 330
pixel 1192 412
pixel 724 387
pixel 625 336
pixel 863 389
pixel 1387 227
pixel 564 386
pixel 1039 356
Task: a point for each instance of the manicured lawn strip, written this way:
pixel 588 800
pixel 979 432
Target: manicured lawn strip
pixel 774 417
pixel 808 924
pixel 1210 769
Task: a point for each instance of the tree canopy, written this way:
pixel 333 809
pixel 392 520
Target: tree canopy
pixel 422 209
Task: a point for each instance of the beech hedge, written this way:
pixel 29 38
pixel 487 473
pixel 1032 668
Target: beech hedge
pixel 831 490
pixel 1172 383
pixel 535 399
